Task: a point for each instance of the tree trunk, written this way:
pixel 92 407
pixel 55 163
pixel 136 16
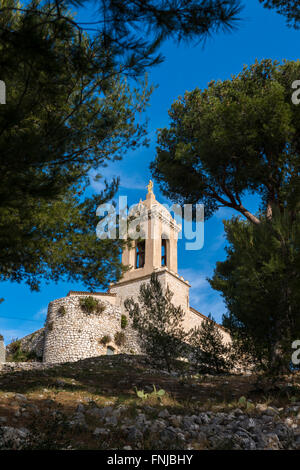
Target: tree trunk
pixel 248 215
pixel 278 363
pixel 269 211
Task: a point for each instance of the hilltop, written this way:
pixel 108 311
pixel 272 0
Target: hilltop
pixel 93 404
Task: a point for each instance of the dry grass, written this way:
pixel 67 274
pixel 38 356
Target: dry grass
pixel 110 381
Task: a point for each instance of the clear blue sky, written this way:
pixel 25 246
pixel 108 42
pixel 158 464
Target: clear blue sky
pixel 261 34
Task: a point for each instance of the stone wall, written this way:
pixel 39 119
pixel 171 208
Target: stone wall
pixel 195 318
pixel 24 366
pixel 31 343
pixel 177 285
pixel 131 288
pixel 106 296
pixel 72 334
pixel 2 350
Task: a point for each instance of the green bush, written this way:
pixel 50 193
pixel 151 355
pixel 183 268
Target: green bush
pixel 1 338
pixel 208 350
pixel 119 338
pixel 91 305
pixel 124 321
pixel 14 345
pixel 62 310
pixel 16 354
pixel 105 339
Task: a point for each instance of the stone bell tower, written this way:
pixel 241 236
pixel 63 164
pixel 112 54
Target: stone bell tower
pixel 157 245
pixel 153 249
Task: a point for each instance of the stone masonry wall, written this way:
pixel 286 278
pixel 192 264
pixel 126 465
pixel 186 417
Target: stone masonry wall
pixel 2 350
pixel 131 288
pixel 177 285
pixel 194 319
pixel 72 334
pixel 8 367
pixel 32 343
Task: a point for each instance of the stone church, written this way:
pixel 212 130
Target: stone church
pixel 71 334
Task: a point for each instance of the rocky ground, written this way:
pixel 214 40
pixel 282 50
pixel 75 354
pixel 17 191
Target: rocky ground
pixel 94 404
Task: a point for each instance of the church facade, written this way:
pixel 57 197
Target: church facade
pixel 71 334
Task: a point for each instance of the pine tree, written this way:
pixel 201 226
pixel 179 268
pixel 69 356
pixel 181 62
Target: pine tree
pixel 158 322
pixel 260 282
pixel 135 29
pixel 288 8
pixel 236 136
pixel 70 109
pixel 66 113
pixel 209 351
pixel 132 31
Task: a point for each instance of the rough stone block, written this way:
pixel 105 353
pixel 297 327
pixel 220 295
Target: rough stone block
pixel 2 351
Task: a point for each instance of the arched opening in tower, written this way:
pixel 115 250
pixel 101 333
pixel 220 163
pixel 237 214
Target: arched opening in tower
pixel 163 252
pixel 140 254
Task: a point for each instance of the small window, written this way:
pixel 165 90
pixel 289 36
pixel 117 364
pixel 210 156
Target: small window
pixel 110 351
pixel 163 252
pixel 140 254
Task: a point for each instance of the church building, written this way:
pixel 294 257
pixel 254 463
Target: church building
pixel 157 252
pixel 71 333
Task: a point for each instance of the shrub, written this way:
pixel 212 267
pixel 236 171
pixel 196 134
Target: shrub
pixel 91 305
pixel 124 321
pixel 209 352
pixel 50 325
pixel 119 338
pixel 62 310
pixel 159 323
pixel 15 345
pixel 16 354
pixel 1 338
pixel 105 340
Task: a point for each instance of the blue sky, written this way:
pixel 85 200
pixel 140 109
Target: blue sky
pixel 261 34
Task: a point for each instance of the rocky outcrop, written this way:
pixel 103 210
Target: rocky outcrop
pixel 24 366
pixel 13 438
pixel 267 429
pixel 235 430
pixel 98 398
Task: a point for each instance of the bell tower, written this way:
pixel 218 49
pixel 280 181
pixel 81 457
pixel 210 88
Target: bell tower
pixel 152 249
pixel 156 247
